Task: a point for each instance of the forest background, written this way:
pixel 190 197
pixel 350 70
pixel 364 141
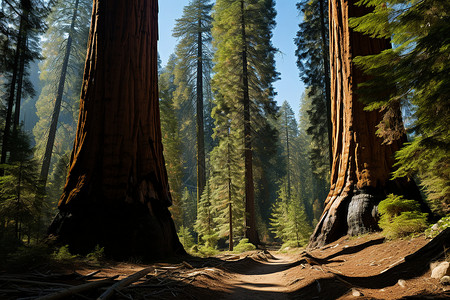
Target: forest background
pixel 43 53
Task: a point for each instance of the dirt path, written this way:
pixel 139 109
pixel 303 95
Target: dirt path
pixel 268 280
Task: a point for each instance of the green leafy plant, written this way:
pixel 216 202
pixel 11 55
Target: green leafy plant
pixel 243 246
pixel 97 255
pixel 63 254
pixel 185 237
pixel 401 217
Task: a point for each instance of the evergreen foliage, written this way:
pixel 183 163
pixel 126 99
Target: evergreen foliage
pixel 414 73
pixel 289 221
pixel 400 217
pixel 227 183
pixel 204 224
pixel 20 45
pixel 51 73
pixel 185 237
pixel 244 73
pixel 171 139
pixel 313 63
pixel 192 78
pixel 20 209
pixel 243 246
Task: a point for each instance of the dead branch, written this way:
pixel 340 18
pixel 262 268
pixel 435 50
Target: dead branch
pixel 124 282
pixel 77 289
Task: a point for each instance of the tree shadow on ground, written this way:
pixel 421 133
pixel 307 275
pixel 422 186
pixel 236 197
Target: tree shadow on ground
pixel 414 265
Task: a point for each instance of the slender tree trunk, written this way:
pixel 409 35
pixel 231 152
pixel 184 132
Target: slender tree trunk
pixel 230 202
pixel 20 80
pixel 19 192
pixel 8 119
pixel 201 170
pixel 326 70
pixel 250 222
pixel 361 162
pixel 288 160
pixel 57 108
pixel 117 194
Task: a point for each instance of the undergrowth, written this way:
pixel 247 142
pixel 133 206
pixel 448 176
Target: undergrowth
pixel 401 217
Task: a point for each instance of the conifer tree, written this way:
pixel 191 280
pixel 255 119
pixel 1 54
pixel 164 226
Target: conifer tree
pixel 170 132
pixel 288 129
pixel 313 62
pixel 227 180
pixel 26 17
pixel 414 74
pixel 194 65
pixel 68 32
pixel 18 187
pixel 244 73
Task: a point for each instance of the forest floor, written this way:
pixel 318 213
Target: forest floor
pixel 366 267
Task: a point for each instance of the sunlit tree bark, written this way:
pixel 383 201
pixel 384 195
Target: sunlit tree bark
pixel 117 193
pixel 361 162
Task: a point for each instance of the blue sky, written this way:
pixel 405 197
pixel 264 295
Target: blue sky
pixel 289 87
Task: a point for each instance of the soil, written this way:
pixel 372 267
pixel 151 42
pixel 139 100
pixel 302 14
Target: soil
pixel 366 267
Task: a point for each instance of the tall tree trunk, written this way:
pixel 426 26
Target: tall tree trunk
pixel 20 80
pixel 201 170
pixel 288 159
pixel 326 70
pixel 117 194
pixel 250 222
pixel 57 108
pixel 361 162
pixel 230 201
pixel 12 89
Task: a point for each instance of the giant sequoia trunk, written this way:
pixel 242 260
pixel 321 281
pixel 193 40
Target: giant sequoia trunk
pixel 117 193
pixel 361 162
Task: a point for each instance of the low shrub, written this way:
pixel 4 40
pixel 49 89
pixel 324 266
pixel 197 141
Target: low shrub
pixel 401 217
pixel 63 254
pixel 97 255
pixel 243 246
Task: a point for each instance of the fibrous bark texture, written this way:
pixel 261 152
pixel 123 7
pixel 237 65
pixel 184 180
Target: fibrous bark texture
pixel 116 194
pixel 361 162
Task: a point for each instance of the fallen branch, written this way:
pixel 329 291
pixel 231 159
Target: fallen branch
pixel 63 294
pixel 87 276
pixel 35 282
pixel 124 282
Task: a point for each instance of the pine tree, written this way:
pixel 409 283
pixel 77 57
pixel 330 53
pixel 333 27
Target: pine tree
pixel 194 64
pixel 18 187
pixel 204 224
pixel 414 74
pixel 68 29
pixel 288 129
pixel 244 73
pixel 312 185
pixel 227 180
pixel 313 62
pixel 27 20
pixel 170 131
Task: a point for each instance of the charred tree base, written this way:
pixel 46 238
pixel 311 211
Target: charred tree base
pixel 357 213
pixel 125 231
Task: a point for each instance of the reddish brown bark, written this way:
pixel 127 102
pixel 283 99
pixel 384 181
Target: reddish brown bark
pixel 117 192
pixel 361 162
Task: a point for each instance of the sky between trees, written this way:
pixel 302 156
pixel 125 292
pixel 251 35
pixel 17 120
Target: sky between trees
pixel 289 87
